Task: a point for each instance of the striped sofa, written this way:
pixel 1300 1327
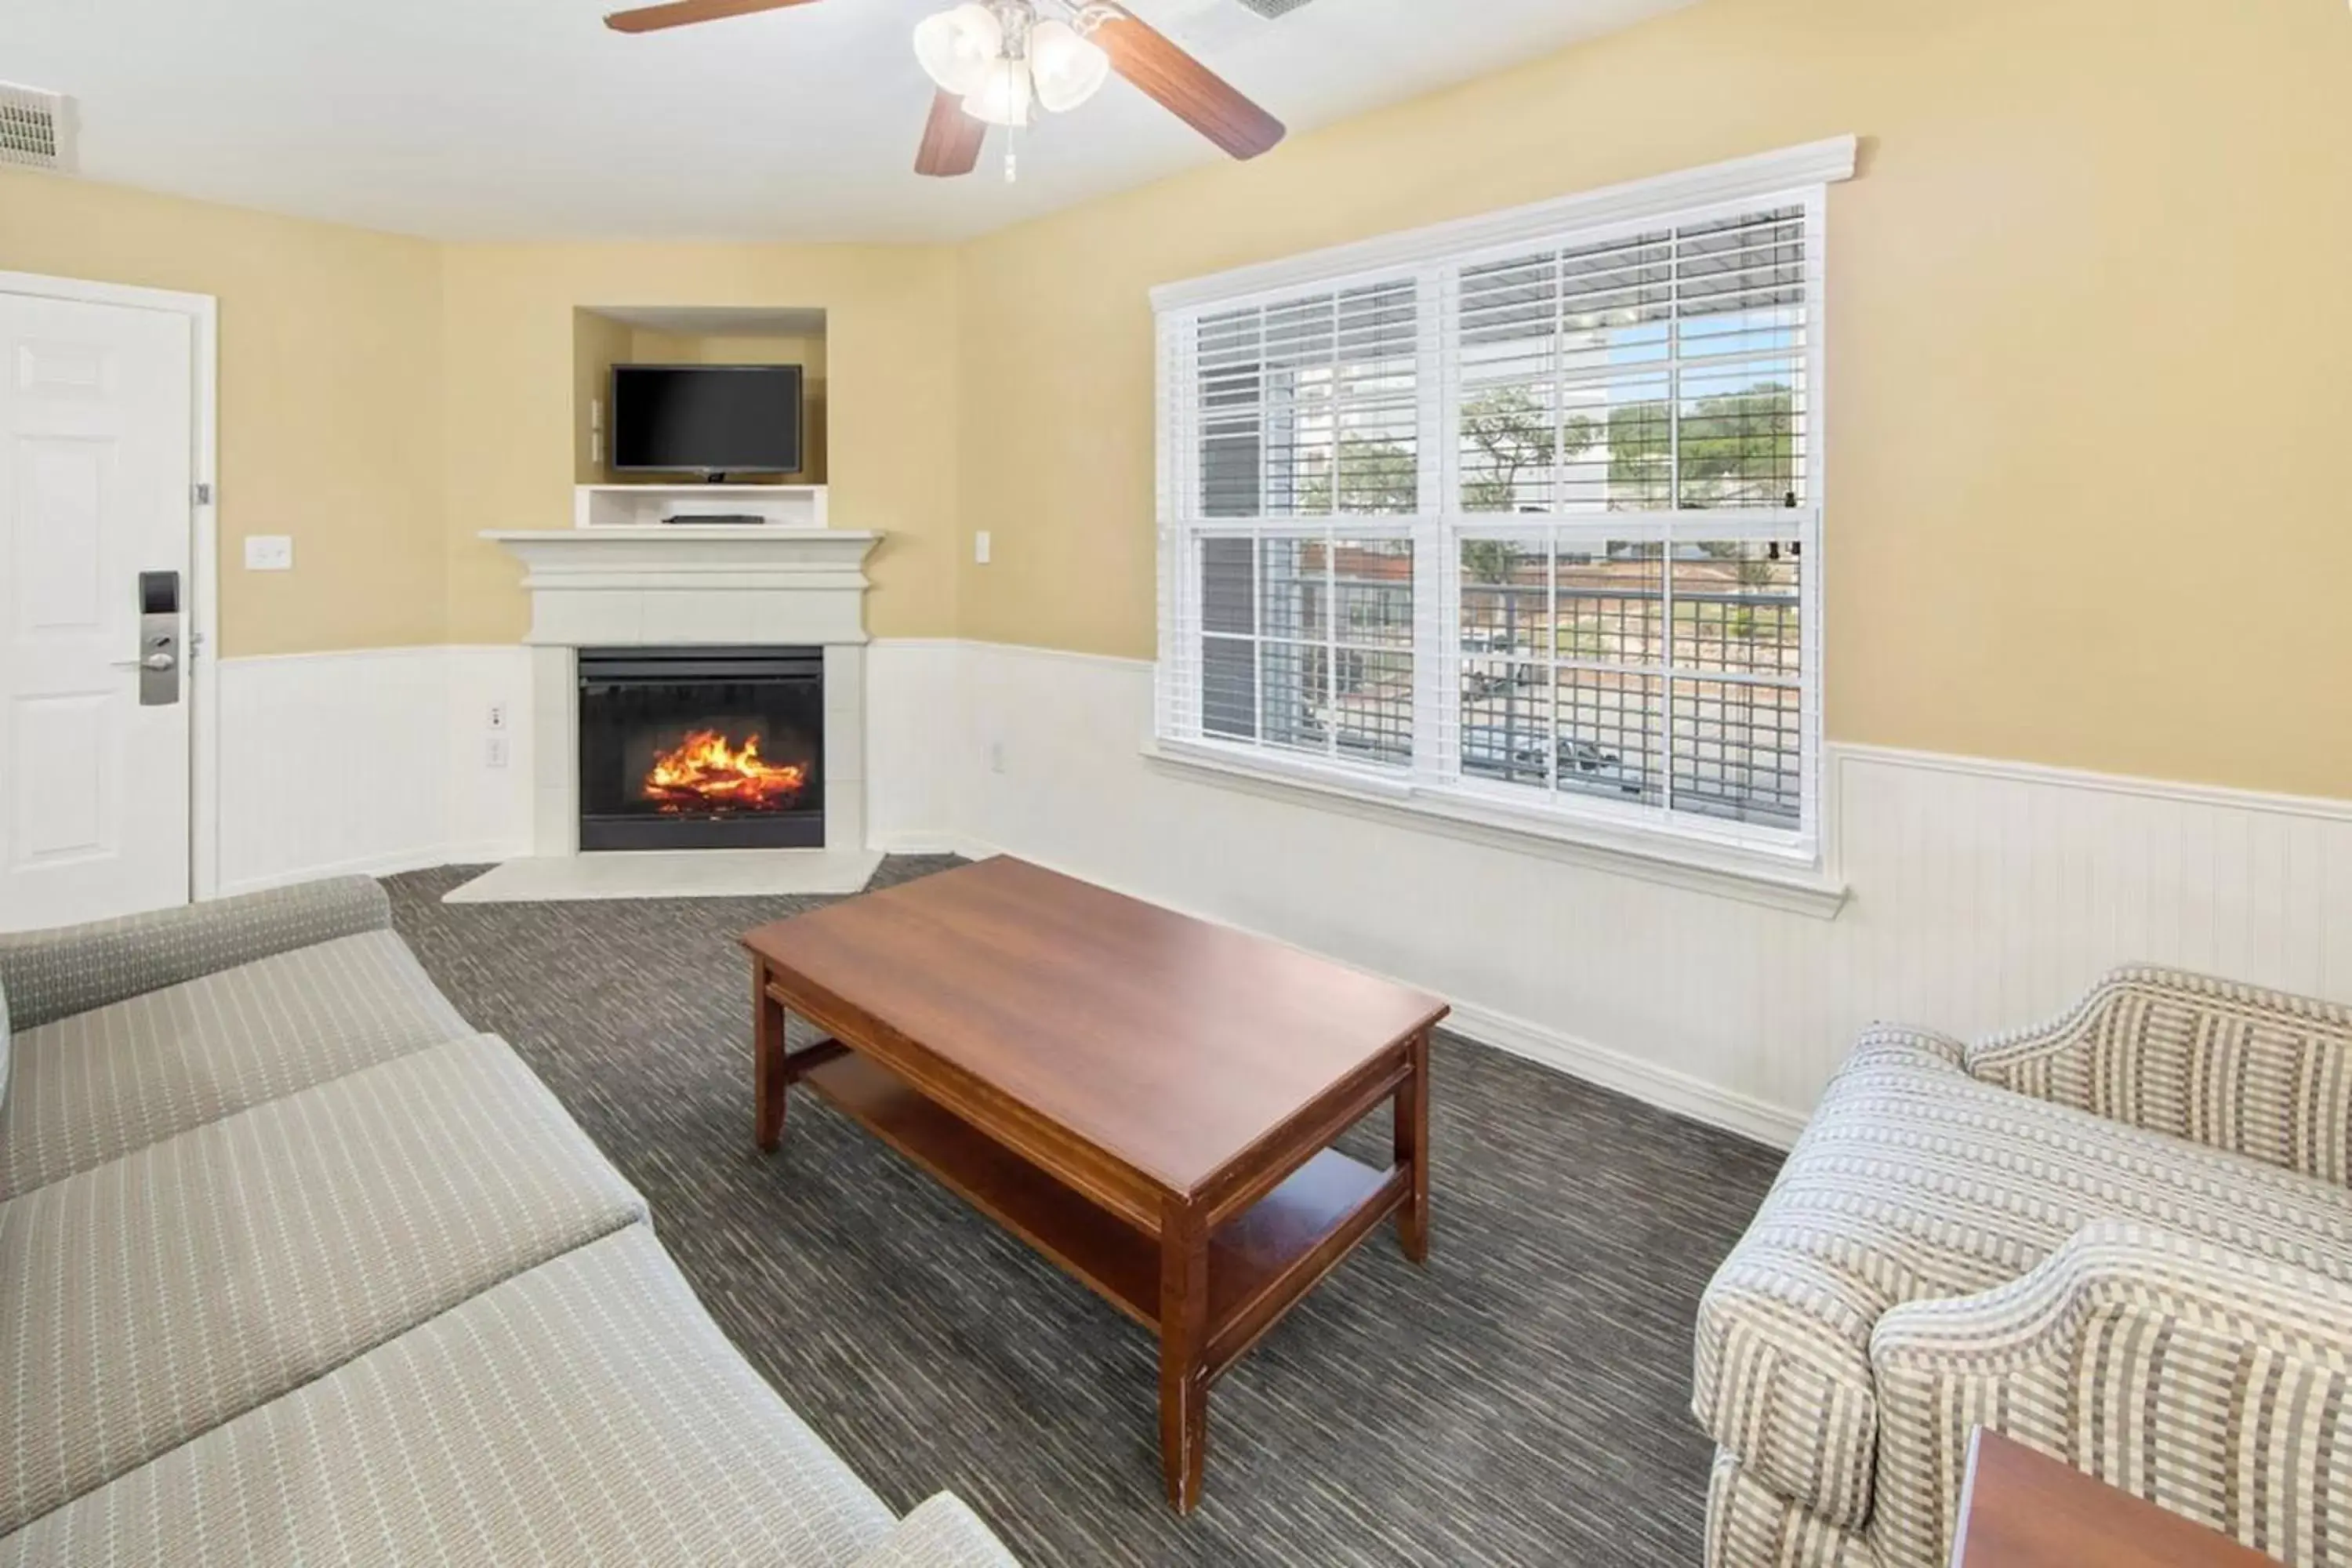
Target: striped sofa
pixel 2125 1238
pixel 296 1268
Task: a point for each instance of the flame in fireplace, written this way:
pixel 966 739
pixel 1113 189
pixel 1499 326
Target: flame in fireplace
pixel 706 772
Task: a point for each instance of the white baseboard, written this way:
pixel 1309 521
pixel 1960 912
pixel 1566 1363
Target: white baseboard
pixel 930 844
pixel 1647 1081
pixel 1986 894
pixel 391 864
pixel 1629 1075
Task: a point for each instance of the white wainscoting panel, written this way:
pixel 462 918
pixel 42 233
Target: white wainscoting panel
pixel 370 761
pixel 919 755
pixel 1984 895
pixel 379 759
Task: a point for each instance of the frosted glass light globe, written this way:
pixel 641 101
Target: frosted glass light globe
pixel 1069 70
pixel 957 47
pixel 1003 95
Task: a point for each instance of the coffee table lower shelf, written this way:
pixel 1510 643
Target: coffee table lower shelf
pixel 1261 1261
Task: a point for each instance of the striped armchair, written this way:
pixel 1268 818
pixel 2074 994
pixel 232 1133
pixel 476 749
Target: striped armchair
pixel 2125 1238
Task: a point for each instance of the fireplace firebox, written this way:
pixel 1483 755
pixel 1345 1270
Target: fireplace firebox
pixel 701 748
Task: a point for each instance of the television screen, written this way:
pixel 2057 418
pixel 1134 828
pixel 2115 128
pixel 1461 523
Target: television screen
pixel 707 418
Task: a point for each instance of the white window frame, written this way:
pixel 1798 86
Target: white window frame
pixel 1786 867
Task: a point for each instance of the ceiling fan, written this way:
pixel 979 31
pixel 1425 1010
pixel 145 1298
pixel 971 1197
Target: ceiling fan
pixel 997 62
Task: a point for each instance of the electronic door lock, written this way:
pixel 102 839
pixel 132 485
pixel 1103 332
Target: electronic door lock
pixel 159 639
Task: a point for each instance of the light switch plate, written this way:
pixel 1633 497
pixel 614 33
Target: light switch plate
pixel 979 547
pixel 269 552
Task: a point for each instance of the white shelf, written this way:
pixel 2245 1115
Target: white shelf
pixel 650 506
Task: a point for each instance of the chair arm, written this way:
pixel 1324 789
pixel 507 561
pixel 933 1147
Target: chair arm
pixel 943 1533
pixel 55 973
pixel 2254 1072
pixel 2215 1383
pixel 1901 1040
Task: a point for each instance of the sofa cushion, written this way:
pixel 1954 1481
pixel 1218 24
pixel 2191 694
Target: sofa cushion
pixel 95 1086
pixel 1915 1182
pixel 585 1412
pixel 152 1299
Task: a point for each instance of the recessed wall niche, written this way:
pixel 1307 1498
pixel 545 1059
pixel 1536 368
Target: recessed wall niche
pixel 605 335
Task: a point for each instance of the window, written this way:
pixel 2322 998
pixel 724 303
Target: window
pixel 1525 520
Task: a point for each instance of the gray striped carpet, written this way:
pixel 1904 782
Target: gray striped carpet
pixel 1520 1400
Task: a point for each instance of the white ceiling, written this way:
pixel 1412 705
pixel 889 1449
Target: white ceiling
pixel 527 118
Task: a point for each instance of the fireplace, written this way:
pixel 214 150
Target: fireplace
pixel 701 748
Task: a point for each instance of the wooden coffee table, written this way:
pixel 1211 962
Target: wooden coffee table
pixel 1148 1099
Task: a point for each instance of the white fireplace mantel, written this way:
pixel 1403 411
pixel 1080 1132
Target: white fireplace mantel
pixel 619 586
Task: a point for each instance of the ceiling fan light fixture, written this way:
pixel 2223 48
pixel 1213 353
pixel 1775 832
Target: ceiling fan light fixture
pixel 1004 95
pixel 957 48
pixel 1069 69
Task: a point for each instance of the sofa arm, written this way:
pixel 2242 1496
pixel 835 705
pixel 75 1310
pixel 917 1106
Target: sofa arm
pixel 943 1533
pixel 51 974
pixel 2254 1072
pixel 2214 1383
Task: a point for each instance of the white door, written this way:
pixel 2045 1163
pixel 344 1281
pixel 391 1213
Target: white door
pixel 95 508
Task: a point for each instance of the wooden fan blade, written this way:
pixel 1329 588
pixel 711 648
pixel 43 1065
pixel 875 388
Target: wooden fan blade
pixel 679 12
pixel 1187 88
pixel 950 141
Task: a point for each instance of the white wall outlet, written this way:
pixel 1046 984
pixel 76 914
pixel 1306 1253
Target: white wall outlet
pixel 269 552
pixel 497 716
pixel 996 756
pixel 979 547
pixel 494 752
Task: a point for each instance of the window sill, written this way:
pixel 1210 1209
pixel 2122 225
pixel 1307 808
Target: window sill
pixel 1753 876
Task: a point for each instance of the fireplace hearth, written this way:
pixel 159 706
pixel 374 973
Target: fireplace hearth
pixel 701 748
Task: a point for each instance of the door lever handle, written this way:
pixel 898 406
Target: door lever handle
pixel 153 661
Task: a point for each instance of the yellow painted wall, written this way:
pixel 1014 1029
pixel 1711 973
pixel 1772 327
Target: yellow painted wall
pixel 509 334
pixel 2090 353
pixel 2089 347
pixel 330 416
pixel 598 344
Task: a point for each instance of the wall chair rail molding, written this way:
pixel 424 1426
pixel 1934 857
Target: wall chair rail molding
pixel 1985 894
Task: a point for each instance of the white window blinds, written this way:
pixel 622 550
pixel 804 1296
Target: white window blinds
pixel 1534 526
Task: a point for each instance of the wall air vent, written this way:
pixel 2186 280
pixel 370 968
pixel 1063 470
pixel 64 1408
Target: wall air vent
pixel 36 127
pixel 1270 9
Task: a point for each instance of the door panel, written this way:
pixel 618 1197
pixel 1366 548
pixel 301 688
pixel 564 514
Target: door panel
pixel 95 470
pixel 67 784
pixel 60 538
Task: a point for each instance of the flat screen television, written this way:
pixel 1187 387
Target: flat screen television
pixel 708 419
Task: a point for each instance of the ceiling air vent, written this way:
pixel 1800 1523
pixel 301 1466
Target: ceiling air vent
pixel 36 127
pixel 1270 9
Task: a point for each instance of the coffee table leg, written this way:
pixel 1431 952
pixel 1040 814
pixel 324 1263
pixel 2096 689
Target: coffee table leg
pixel 1413 1151
pixel 1183 1342
pixel 769 1080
